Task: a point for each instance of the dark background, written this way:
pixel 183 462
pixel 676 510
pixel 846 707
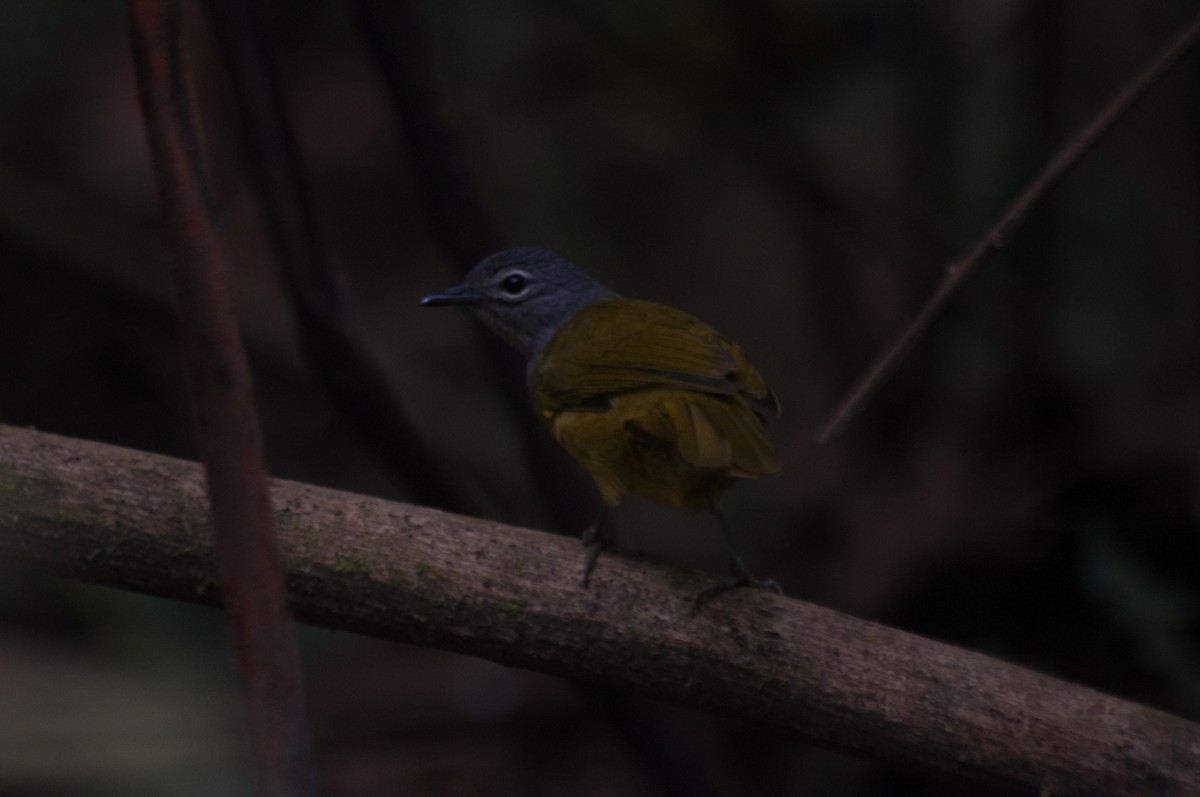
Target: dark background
pixel 798 175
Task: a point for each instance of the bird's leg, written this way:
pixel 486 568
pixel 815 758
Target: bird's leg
pixel 595 539
pixel 740 577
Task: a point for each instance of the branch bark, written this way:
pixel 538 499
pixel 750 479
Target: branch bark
pixel 140 521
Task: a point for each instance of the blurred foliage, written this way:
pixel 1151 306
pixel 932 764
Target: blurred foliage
pixel 795 173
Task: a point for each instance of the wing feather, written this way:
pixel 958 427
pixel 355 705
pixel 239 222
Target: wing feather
pixel 619 345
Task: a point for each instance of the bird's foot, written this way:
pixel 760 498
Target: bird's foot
pixel 742 578
pixel 595 541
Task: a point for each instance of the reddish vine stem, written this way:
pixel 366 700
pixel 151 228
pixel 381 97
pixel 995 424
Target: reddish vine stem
pixel 247 563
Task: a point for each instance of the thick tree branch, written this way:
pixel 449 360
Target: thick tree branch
pixel 140 521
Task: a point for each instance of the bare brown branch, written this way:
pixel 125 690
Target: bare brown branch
pixel 998 235
pixel 138 521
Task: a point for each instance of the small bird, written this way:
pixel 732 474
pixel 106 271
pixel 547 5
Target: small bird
pixel 649 399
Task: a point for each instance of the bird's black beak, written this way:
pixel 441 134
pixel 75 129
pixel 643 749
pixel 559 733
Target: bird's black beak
pixel 459 294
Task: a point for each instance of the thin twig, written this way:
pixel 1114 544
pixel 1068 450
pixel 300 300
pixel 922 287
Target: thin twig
pixel 248 566
pixel 998 235
pixel 124 518
pixel 463 226
pixel 462 223
pixel 333 342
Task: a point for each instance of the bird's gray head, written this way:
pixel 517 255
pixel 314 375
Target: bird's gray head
pixel 525 295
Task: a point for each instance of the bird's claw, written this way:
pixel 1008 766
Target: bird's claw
pixel 733 581
pixel 595 542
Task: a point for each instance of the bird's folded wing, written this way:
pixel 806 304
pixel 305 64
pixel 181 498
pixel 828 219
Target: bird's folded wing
pixel 619 345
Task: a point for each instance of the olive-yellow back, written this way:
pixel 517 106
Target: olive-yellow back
pixel 655 402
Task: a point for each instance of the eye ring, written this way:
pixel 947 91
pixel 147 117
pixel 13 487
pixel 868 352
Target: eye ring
pixel 514 284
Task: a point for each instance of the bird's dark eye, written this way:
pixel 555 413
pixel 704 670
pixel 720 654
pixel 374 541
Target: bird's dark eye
pixel 513 284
